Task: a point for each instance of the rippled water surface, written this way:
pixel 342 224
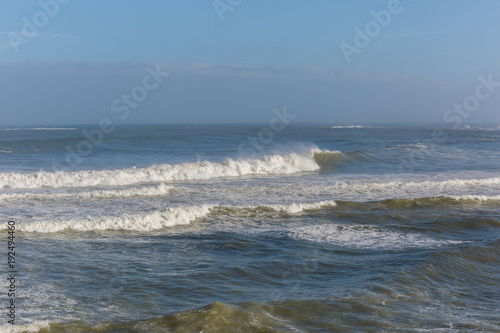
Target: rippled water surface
pixel 196 228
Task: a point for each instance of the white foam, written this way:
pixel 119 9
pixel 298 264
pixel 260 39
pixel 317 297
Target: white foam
pixel 132 222
pixel 325 151
pixel 374 190
pixel 299 208
pixel 445 184
pixel 352 126
pixel 365 237
pixel 418 145
pixel 158 190
pixel 268 165
pixel 39 129
pixel 476 197
pixel 33 327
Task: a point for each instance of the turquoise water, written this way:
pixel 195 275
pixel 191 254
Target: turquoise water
pixel 229 228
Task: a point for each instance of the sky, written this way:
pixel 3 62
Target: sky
pixel 67 62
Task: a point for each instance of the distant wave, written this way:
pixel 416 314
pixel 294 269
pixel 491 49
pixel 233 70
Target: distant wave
pixel 39 129
pixel 416 145
pixel 278 164
pixel 352 126
pixel 469 128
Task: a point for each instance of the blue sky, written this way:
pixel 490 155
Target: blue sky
pixel 426 56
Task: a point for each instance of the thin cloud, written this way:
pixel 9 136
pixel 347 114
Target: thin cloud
pixel 7 45
pixel 404 34
pixel 40 33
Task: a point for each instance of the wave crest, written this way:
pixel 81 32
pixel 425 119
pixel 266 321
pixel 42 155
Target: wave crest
pixel 299 208
pixel 130 222
pixel 161 219
pixel 268 165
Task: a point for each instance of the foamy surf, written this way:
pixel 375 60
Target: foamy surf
pixel 128 222
pixel 351 126
pixel 268 165
pixel 300 208
pixel 39 129
pixel 476 197
pixel 33 327
pixel 162 219
pixel 158 190
pixel 365 237
pixel 376 190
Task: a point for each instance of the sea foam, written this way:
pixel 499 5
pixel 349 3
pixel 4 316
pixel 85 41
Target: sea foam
pixel 365 237
pixel 299 208
pixel 158 190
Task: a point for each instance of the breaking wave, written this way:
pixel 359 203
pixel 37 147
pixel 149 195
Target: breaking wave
pixel 268 165
pixel 130 222
pixel 161 219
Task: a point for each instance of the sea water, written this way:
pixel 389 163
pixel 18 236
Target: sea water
pixel 234 228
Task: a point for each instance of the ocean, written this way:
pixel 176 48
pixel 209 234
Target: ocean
pixel 251 228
